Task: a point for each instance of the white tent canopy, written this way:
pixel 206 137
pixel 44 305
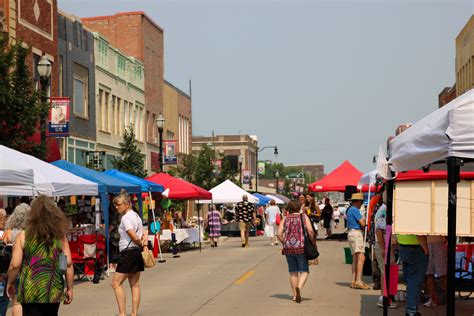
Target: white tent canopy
pixel 368 178
pixel 19 176
pixel 44 179
pixel 447 132
pixel 276 199
pixel 228 192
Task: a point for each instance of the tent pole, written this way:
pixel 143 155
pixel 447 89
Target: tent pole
pixel 152 206
pixel 388 241
pixel 367 219
pixel 199 225
pixel 454 171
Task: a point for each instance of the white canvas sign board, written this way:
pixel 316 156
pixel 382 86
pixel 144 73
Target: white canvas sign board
pixel 421 208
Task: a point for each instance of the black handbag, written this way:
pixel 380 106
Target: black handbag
pixel 5 257
pixel 310 250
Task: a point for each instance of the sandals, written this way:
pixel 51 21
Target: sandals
pixel 360 286
pixel 298 295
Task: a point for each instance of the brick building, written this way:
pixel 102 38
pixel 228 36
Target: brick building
pixel 233 146
pixel 177 112
pixel 34 22
pixel 464 65
pixel 465 58
pixel 137 35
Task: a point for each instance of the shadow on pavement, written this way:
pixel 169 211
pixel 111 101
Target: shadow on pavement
pixel 282 296
pixel 368 305
pixel 288 297
pixel 344 284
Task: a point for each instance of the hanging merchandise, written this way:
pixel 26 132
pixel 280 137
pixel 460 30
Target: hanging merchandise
pixel 165 203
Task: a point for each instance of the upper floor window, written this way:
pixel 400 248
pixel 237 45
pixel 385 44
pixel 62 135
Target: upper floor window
pixel 121 65
pixel 80 87
pixel 103 51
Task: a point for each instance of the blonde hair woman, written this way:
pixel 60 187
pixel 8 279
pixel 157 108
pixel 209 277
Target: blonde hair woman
pixel 132 240
pixel 37 252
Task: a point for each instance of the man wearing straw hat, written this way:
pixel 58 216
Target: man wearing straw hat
pixel 355 237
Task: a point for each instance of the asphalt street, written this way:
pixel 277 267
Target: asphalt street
pixel 231 280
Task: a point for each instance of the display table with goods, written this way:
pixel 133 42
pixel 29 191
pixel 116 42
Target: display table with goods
pixel 183 235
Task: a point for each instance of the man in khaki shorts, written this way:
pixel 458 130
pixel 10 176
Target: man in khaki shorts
pixel 245 215
pixel 355 237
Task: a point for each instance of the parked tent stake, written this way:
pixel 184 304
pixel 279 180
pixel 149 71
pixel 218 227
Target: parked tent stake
pixel 154 223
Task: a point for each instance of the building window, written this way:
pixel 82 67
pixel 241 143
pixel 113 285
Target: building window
pixel 103 50
pixel 106 112
pixel 61 76
pixel 154 130
pixel 138 75
pixel 77 150
pixel 80 101
pixel 121 65
pixel 118 118
pixel 112 115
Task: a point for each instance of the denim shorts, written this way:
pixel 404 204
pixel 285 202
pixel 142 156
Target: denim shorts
pixel 297 263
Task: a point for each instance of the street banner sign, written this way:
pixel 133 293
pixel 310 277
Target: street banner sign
pixel 281 185
pixel 246 176
pixel 261 167
pixel 58 125
pixel 170 152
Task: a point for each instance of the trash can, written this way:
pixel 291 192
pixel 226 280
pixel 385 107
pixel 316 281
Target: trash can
pixel 348 255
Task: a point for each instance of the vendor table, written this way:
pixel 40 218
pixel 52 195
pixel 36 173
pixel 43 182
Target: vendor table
pixel 183 235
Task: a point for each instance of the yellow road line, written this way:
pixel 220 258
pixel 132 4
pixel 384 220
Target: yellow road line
pixel 244 277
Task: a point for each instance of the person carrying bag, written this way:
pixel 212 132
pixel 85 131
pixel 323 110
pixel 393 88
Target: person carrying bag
pixel 310 249
pixel 133 242
pixel 293 232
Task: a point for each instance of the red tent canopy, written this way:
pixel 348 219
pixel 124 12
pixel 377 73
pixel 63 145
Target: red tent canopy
pixel 345 174
pixel 419 175
pixel 180 189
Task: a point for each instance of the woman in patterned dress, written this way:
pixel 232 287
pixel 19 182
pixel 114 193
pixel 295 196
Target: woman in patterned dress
pixel 214 224
pixel 36 252
pixel 291 235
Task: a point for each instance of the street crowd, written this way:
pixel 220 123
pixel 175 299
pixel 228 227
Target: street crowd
pixel 41 254
pixel 422 257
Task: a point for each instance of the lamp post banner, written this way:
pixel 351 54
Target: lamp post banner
pixel 261 167
pixel 170 152
pixel 245 176
pixel 58 125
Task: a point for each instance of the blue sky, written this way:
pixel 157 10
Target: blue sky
pixel 325 81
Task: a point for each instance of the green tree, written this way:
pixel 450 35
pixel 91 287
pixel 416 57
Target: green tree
pixel 132 161
pixel 199 169
pixel 20 109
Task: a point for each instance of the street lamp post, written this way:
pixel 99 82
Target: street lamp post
pixel 277 174
pixel 160 123
pixel 275 152
pixel 241 160
pixel 44 70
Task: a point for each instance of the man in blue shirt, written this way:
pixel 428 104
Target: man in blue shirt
pixel 355 237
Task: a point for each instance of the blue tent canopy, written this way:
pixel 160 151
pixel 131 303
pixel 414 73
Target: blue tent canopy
pixel 263 200
pixel 106 184
pixel 145 185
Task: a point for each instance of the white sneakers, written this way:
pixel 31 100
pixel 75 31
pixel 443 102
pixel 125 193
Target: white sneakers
pixel 430 303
